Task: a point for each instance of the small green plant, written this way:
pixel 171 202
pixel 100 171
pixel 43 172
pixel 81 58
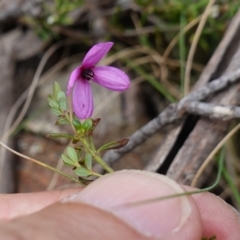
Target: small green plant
pixel 52 15
pixel 80 157
pixel 83 152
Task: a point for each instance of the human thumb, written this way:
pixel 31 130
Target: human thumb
pixel 168 219
pixel 100 212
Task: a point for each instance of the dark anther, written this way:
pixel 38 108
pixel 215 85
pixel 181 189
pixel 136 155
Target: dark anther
pixel 87 74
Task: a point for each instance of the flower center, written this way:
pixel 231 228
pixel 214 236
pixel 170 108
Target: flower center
pixel 87 74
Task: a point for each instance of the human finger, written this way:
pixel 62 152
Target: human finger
pixel 176 217
pixel 218 218
pixel 92 213
pixel 15 205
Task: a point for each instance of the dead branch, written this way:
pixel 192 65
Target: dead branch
pixel 201 135
pixel 215 111
pixel 172 113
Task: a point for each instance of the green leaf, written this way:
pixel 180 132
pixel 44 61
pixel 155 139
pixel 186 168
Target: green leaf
pixel 68 161
pixel 60 135
pixel 62 121
pixel 56 111
pixel 52 102
pixel 82 172
pixel 88 161
pixel 76 124
pixel 114 145
pixel 56 88
pixel 63 104
pixel 72 154
pixel 60 95
pixel 87 124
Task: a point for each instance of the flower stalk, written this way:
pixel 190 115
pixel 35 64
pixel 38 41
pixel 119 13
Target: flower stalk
pixel 80 156
pixel 96 156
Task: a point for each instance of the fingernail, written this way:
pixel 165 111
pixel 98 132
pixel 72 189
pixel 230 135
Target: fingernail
pixel 155 219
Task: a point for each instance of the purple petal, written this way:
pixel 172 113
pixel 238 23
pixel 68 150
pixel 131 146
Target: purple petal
pixel 111 78
pixel 73 77
pixel 95 54
pixel 82 99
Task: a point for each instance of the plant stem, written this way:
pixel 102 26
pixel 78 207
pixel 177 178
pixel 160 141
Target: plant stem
pixel 40 163
pixel 96 174
pixel 91 143
pixel 97 158
pixel 153 200
pixel 70 116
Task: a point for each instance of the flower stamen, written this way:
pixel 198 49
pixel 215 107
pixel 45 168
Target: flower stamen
pixel 87 74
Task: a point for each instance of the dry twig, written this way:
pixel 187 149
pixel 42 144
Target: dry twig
pixel 171 114
pixel 213 110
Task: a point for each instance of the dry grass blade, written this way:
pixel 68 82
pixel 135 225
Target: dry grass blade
pixel 175 39
pixel 54 179
pixel 212 154
pixel 31 91
pixel 7 130
pixel 194 46
pixel 39 163
pixel 154 55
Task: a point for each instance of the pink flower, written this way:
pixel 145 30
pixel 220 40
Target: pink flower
pixel 108 77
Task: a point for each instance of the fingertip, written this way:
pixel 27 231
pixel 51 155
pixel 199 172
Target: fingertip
pixel 218 218
pixel 162 219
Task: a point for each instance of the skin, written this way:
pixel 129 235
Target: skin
pixel 69 214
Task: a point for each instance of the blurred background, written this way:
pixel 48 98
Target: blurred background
pixel 43 41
